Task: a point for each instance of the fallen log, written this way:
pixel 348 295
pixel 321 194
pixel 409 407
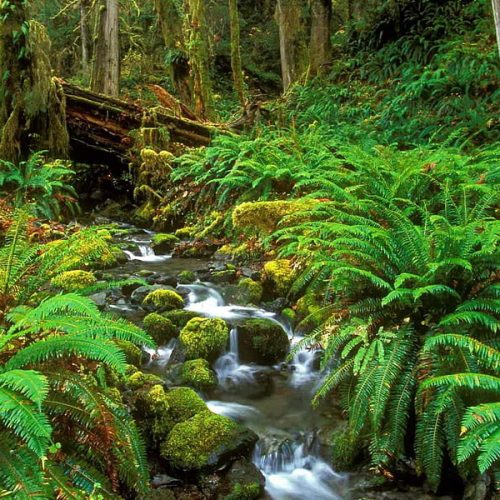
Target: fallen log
pixel 104 129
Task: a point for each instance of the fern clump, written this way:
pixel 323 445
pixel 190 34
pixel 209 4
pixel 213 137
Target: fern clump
pixel 204 338
pixel 74 281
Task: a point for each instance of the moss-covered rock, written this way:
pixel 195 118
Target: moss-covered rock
pixel 205 442
pixel 160 328
pixel 262 341
pixel 180 317
pixel 163 300
pixel 164 242
pixel 204 338
pixel 226 276
pixel 139 379
pixel 198 374
pixel 264 216
pixel 144 214
pixel 290 315
pixel 186 232
pixel 184 403
pixel 186 277
pixel 74 281
pixel 249 291
pixel 132 353
pixel 310 311
pixel 279 274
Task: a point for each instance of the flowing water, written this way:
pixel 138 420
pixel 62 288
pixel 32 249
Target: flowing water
pixel 288 452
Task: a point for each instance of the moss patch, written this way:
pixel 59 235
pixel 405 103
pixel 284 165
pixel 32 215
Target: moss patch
pixel 163 242
pixel 164 300
pixel 74 281
pixel 180 317
pixel 197 374
pixel 132 353
pixel 160 328
pixel 280 274
pixel 204 338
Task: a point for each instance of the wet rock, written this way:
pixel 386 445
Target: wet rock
pixel 145 273
pixel 277 305
pixel 226 276
pixel 262 341
pixel 162 480
pixel 158 494
pixel 186 277
pixel 140 293
pixel 197 248
pixel 164 243
pixel 99 299
pixel 243 480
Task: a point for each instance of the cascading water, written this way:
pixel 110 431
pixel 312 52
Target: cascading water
pixel 291 463
pixel 146 253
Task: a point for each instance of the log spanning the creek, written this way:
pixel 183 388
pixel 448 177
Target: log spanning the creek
pixel 104 129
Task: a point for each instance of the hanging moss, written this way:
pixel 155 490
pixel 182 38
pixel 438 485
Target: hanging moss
pixel 32 107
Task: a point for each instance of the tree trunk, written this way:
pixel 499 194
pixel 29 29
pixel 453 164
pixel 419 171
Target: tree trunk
pixel 320 45
pixel 84 35
pixel 171 17
pixel 239 84
pixel 199 58
pixel 495 4
pixel 32 105
pixel 292 40
pixel 106 70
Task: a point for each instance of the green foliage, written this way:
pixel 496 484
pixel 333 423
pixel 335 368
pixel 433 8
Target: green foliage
pixel 42 185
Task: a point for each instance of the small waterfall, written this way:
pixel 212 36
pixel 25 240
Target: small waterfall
pixel 160 357
pixel 235 411
pixel 146 253
pixel 233 344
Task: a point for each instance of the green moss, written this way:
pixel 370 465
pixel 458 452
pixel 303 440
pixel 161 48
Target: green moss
pixel 180 317
pixel 250 491
pixel 265 216
pixel 281 274
pixel 145 213
pixel 263 341
pixel 226 276
pixel 140 379
pixel 195 443
pixel 132 352
pixel 164 242
pixel 197 374
pixel 204 337
pixel 160 328
pixel 344 451
pixel 186 232
pixel 289 314
pixel 164 300
pixel 73 281
pixel 186 277
pixel 250 290
pixel 183 403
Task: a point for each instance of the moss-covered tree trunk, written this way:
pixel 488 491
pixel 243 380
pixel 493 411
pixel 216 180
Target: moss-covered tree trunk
pixel 171 16
pixel 320 45
pixel 495 4
pixel 239 84
pixel 106 64
pixel 85 36
pixel 32 114
pixel 293 46
pixel 199 58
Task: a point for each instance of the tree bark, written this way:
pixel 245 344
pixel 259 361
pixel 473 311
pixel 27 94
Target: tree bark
pixel 171 18
pixel 31 102
pixel 199 59
pixel 495 4
pixel 292 40
pixel 85 36
pixel 106 68
pixel 239 84
pixel 320 44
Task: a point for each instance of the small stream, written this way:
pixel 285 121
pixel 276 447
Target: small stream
pixel 289 452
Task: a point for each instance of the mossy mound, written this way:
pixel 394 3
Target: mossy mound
pixel 132 353
pixel 139 379
pixel 204 338
pixel 262 341
pixel 265 216
pixel 226 276
pixel 198 374
pixel 249 291
pixel 74 281
pixel 310 311
pixel 160 328
pixel 184 403
pixel 279 274
pixel 290 315
pixel 164 242
pixel 180 317
pixel 186 277
pixel 163 300
pixel 185 232
pixel 206 441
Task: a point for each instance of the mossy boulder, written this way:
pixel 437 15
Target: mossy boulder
pixel 226 276
pixel 180 317
pixel 74 281
pixel 144 214
pixel 262 341
pixel 198 374
pixel 139 379
pixel 205 442
pixel 163 242
pixel 132 353
pixel 243 481
pixel 183 403
pixel 204 338
pixel 278 277
pixel 310 311
pixel 186 232
pixel 248 291
pixel 186 277
pixel 289 314
pixel 265 216
pixel 160 328
pixel 163 300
